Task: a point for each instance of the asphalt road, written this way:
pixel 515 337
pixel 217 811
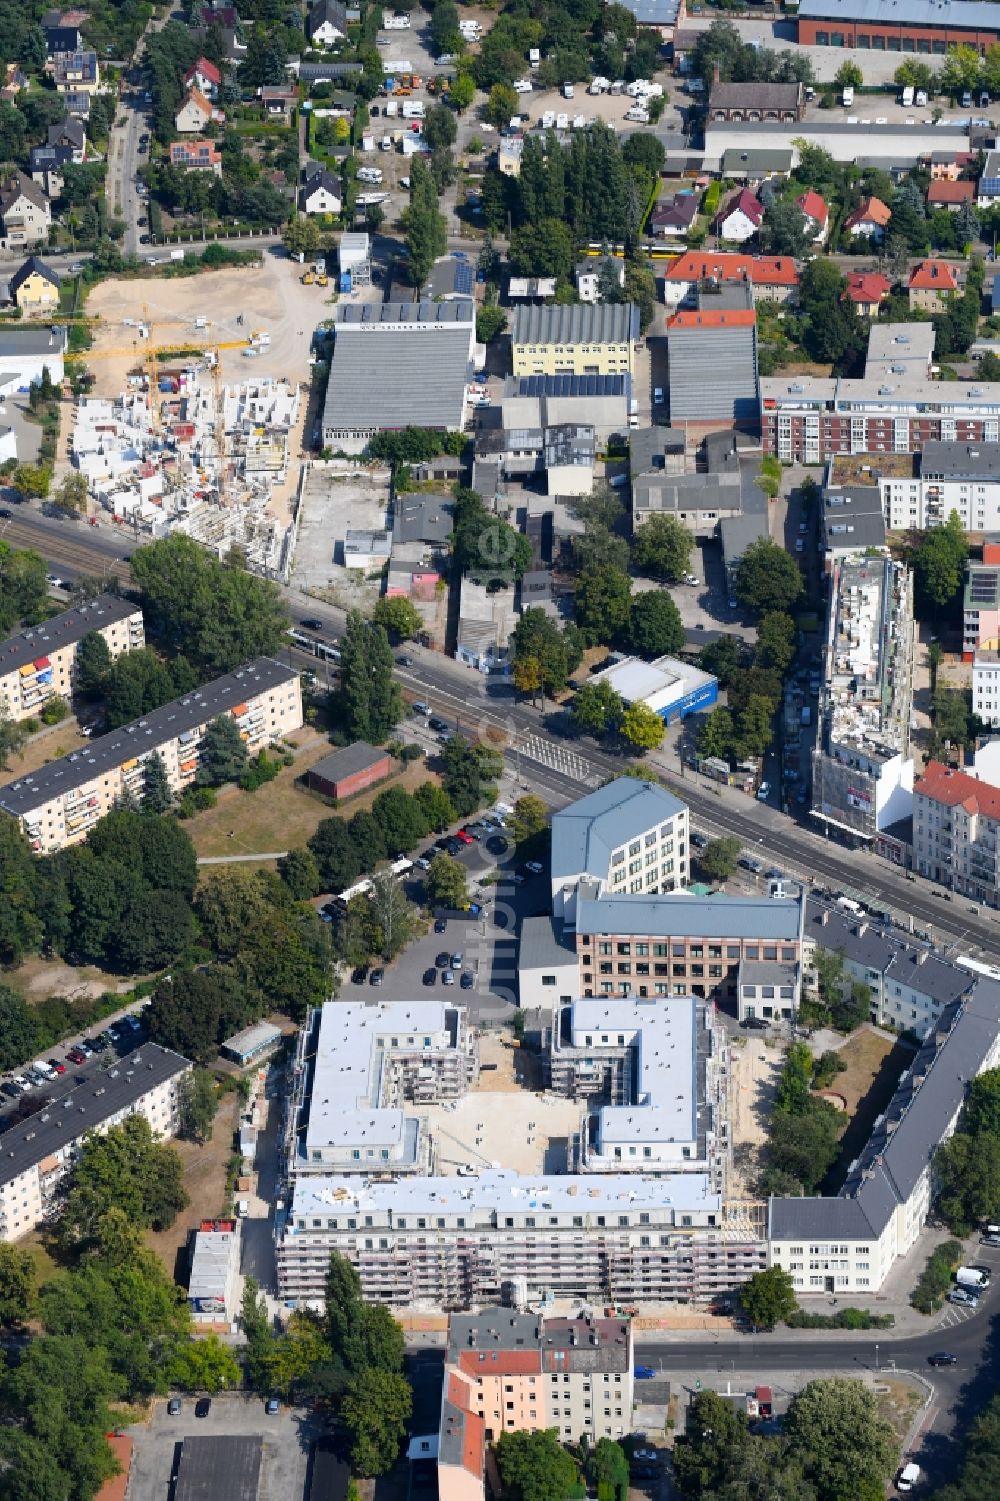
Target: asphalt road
pixel 570 768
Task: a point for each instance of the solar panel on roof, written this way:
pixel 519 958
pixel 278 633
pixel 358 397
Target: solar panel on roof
pixel 463 277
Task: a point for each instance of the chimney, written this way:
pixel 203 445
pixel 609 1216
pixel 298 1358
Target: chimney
pixel 922 956
pixel 715 72
pixel 825 916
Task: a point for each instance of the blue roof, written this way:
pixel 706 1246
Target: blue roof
pixel 572 385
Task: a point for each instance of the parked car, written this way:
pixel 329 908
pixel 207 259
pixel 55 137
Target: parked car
pixel 376 977
pixel 534 866
pixel 203 1407
pixel 430 976
pixel 907 1477
pixel 699 840
pixel 311 624
pixel 440 924
pixel 763 792
pixel 272 1405
pixel 468 979
pixel 174 1406
pixel 76 1055
pixel 448 978
pixel 463 837
pixel 440 726
pixel 755 1024
pixel 443 959
pixel 457 960
pixel 359 974
pixel 11 1090
pixel 644 1373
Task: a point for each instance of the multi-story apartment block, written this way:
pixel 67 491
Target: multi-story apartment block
pixel 582 339
pixel 355 1068
pixel 628 836
pixel 39 1152
pixel 895 407
pixel 39 663
pixel 981 604
pixel 490 1234
pixel 518 1371
pixel 848 1244
pixel 944 477
pixel 986 684
pixel 909 983
pixel 956 831
pixel 58 804
pixel 862 766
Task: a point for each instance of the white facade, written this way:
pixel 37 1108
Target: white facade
pixel 40 663
pixel 627 836
pixel 737 227
pixel 986 687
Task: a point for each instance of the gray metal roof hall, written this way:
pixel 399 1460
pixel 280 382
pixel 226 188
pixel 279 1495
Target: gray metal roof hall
pixel 576 323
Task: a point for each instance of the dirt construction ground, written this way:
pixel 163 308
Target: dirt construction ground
pixel 269 296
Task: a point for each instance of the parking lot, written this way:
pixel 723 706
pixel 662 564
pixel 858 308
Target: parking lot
pixel 288 1436
pixel 16 1098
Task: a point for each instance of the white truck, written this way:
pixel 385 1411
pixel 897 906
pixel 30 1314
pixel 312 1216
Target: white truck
pixel 413 109
pixel 639 113
pixel 567 90
pixel 395 23
pixel 847 97
pixel 523 85
pixel 972 1277
pixel 548 120
pixel 562 122
pixel 907 97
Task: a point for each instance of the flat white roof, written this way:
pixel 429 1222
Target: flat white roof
pixel 667 679
pixel 344 1105
pixel 494 1191
pixel 665 1033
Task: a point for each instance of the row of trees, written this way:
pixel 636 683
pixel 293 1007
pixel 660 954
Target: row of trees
pixel 535 1466
pixel 370 701
pixel 967 1165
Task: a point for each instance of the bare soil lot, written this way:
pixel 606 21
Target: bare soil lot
pixel 269 296
pixel 205 1182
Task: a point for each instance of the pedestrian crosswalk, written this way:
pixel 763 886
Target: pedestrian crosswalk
pixel 559 758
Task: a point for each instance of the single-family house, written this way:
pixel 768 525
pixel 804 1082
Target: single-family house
pixel 870 219
pixel 326 23
pixel 867 290
pixel 194 114
pixel 988 190
pixel 932 285
pixel 816 215
pixel 14 83
pixel 72 133
pixel 943 193
pixel 510 150
pixel 197 156
pixel 62 30
pixel 76 70
pixel 34 287
pixel 25 214
pixel 278 101
pixel 76 102
pixel 740 217
pixel 949 164
pixel 205 77
pixel 322 194
pixel 674 216
pixel 46 165
pixel 589 273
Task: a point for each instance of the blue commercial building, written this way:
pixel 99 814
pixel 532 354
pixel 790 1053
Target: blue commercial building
pixel 671 688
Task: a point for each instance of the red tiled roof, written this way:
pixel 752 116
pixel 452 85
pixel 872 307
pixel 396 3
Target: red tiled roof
pixel 500 1362
pixel 871 210
pixel 720 265
pixel 474 1444
pixel 114 1489
pixel 867 286
pixel 813 206
pixel 743 202
pixel 731 318
pixel 957 789
pixel 197 98
pixel 206 69
pixel 934 275
pixel 943 191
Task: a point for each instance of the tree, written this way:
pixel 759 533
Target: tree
pixel 21 922
pixel 20 1034
pixel 157 794
pixel 960 72
pixel 596 709
pixel 916 75
pixel 71 495
pixel 831 330
pixel 204 1365
pixel 608 1470
pixel 230 901
pixel 370 696
pixel 18 1285
pixel 336 855
pixel 768 1297
pixel 198 1101
pixel 717 860
pixel 641 727
pixel 531 816
pixel 603 603
pixel 13 738
pixel 775 641
pixel 402 820
pixel 302 235
pixel 391 915
pixel 364 1335
pixel 93 664
pixel 299 870
pixel 192 1011
pixel 534 1466
pixel 471 775
pixel 967 1168
pixel 662 547
pixel 527 675
pixel 543 248
pixel 849 75
pixel 126 1169
pixel 939 566
pixel 768 579
pixel 399 618
pixel 845 1447
pixel 24 591
pixel 426 231
pixel 982 1105
pixel 440 127
pixel 490 323
pixel 436 806
pixel 484 546
pixel 374 1414
pixel 655 627
pixel 462 92
pixel 446 882
pixel 501 106
pixel 222 755
pixel 537 638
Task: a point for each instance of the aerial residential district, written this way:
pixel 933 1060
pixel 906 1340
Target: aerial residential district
pixel 500 499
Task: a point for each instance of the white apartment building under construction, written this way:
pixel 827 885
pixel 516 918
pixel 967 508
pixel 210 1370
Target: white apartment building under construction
pixel 58 804
pixel 862 766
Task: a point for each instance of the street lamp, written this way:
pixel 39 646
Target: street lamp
pixel 876 1355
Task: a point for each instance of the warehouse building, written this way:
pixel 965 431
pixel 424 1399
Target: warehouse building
pixel 671 688
pixel 924 28
pixel 397 365
pixel 252 1044
pixel 712 361
pixel 39 1152
pixel 575 339
pixel 39 664
pixel 539 401
pixel 59 804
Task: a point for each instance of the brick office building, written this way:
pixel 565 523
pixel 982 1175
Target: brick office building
pixel 924 27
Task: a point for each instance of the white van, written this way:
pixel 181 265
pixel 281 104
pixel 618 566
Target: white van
pixel 847 904
pixel 908 1477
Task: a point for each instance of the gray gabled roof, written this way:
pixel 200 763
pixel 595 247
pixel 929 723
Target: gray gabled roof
pixel 399 364
pixel 939 14
pixel 544 944
pixel 62 630
pixel 585 834
pixel 576 323
pixel 33 267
